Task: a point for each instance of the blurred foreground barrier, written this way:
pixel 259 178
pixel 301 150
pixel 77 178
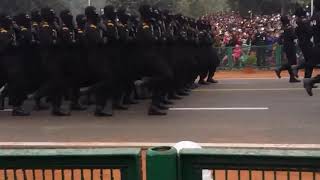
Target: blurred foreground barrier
pixel 162 163
pixel 70 164
pixel 250 164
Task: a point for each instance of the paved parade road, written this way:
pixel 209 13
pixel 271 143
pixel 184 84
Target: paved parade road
pixel 234 111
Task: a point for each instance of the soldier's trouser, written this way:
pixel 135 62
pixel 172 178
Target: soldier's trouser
pixel 162 78
pixel 308 69
pixel 100 67
pixel 16 82
pixel 55 86
pixel 308 64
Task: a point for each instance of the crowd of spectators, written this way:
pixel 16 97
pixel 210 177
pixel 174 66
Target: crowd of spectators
pixel 231 29
pixel 244 33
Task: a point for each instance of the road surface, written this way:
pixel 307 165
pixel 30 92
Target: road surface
pixel 234 111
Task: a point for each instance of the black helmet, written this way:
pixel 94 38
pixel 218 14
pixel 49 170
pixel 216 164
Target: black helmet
pixel 5 21
pixel 123 15
pixel 145 11
pixel 48 14
pixel 91 11
pixel 109 12
pixel 66 17
pixel 81 20
pixel 91 14
pixel 36 16
pixel 23 19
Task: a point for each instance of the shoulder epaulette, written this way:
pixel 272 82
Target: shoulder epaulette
pixel 3 30
pixel 110 23
pixel 45 24
pixel 145 26
pixel 65 28
pixel 80 31
pixel 93 26
pixel 23 29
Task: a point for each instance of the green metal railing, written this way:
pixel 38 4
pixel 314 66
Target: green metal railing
pixel 253 56
pixel 250 164
pixel 70 164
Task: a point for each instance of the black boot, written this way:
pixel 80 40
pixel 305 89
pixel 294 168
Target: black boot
pixel 182 92
pixel 118 106
pixel 39 106
pixel 162 106
pixel 278 73
pixel 174 96
pixel 57 111
pixel 19 111
pixel 166 101
pixel 212 81
pixel 186 89
pixel 155 111
pixel 293 79
pixel 194 86
pixel 119 103
pixel 2 102
pixel 203 82
pixel 76 106
pixel 99 112
pixel 129 99
pixel 308 85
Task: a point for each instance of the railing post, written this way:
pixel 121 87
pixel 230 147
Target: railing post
pixel 278 55
pixel 162 163
pixel 230 59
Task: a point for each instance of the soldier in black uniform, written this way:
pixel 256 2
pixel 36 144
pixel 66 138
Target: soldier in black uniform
pixel 35 69
pixel 209 53
pixel 304 33
pixel 12 63
pixel 309 83
pixel 113 51
pixel 288 38
pixel 183 56
pixel 3 76
pixel 124 73
pixel 150 64
pixel 70 61
pixel 54 87
pixel 98 66
pixel 214 60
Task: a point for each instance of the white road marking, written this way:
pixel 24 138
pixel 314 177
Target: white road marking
pixel 221 109
pixel 20 145
pixel 262 78
pixel 256 89
pixel 6 110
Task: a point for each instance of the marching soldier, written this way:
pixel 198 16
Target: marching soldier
pixel 309 83
pixel 12 62
pixel 288 38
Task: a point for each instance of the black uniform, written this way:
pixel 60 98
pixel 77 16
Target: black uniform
pixel 304 34
pixel 150 63
pixel 315 23
pixel 12 62
pixel 287 40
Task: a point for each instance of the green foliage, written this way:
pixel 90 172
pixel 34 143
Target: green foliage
pixel 196 8
pixel 252 59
